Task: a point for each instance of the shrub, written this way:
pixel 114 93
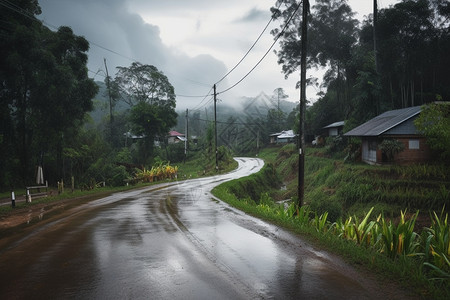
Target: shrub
pixel 321 203
pixel 391 147
pixel 119 176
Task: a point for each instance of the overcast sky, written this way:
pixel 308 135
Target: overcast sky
pixel 194 42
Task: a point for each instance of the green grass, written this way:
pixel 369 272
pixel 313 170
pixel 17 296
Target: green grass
pixel 382 247
pixel 202 164
pixel 360 186
pixel 340 195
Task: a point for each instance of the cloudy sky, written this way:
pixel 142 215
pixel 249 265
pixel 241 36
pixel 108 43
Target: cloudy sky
pixel 194 42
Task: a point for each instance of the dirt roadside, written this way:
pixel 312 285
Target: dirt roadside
pixel 25 216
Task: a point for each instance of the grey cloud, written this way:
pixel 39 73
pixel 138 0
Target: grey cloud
pixel 254 15
pixel 110 25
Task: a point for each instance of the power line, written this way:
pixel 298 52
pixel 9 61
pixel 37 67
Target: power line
pixel 267 52
pixel 200 106
pixel 26 14
pixel 245 55
pixel 228 123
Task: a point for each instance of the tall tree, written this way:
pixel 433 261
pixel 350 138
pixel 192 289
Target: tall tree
pixel 332 35
pixel 144 83
pixel 434 123
pixel 152 100
pixel 45 90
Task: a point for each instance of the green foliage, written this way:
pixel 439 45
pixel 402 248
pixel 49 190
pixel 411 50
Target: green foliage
pixel 45 93
pixel 395 239
pixel 399 239
pixel 353 150
pixel 254 185
pixel 321 202
pixel 152 100
pixel 360 85
pixel 335 145
pixel 391 147
pixel 159 171
pixel 437 246
pixel 124 156
pixel 150 120
pixel 434 123
pixel 144 83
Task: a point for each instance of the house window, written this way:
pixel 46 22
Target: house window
pixel 414 145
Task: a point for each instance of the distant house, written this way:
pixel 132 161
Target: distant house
pixel 175 137
pixel 395 124
pixel 335 128
pixel 286 136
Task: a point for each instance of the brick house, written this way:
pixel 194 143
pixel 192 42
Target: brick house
pixel 395 124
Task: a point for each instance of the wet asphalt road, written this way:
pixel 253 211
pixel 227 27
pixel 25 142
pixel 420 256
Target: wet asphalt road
pixel 173 241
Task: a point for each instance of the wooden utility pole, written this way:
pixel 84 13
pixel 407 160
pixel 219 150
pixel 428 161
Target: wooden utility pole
pixel 301 142
pixel 111 118
pixel 215 127
pixel 187 135
pixel 109 92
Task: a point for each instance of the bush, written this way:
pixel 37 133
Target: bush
pixel 335 145
pixel 353 150
pixel 119 176
pixel 391 147
pixel 321 203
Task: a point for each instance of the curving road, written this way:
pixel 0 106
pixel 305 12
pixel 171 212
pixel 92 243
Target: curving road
pixel 174 241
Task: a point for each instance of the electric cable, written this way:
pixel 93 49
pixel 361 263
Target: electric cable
pixel 267 52
pixel 245 55
pixel 26 14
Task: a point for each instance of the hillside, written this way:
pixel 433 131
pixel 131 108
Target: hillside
pixel 346 189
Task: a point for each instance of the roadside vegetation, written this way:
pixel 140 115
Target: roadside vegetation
pixel 200 163
pixel 391 220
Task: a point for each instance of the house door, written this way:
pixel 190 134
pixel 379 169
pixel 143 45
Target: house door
pixel 369 151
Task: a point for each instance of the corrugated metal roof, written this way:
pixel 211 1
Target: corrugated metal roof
pixel 287 134
pixel 384 122
pixel 335 124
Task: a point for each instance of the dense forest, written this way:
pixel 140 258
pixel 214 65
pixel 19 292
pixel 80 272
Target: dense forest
pixel 49 106
pixel 402 61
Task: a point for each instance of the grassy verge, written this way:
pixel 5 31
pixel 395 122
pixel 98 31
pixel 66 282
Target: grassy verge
pixel 402 269
pixel 352 189
pixel 386 247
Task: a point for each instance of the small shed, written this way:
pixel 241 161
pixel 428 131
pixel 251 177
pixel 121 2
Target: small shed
pixel 334 129
pixel 286 136
pixel 175 137
pixel 273 137
pixel 395 125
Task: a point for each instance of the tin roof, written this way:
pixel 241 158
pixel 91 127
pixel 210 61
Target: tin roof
pixel 384 122
pixel 286 134
pixel 335 124
pixel 175 133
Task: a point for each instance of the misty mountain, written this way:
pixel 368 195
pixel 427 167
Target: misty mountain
pixel 245 110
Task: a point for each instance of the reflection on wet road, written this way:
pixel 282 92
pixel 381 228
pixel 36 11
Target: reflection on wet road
pixel 172 241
